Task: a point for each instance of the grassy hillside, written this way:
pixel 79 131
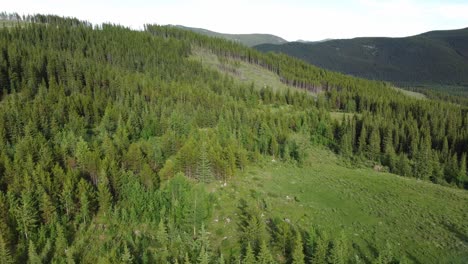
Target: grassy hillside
pixel 438 57
pixel 422 221
pixel 249 40
pixel 240 71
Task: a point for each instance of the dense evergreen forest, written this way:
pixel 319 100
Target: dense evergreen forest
pixel 105 128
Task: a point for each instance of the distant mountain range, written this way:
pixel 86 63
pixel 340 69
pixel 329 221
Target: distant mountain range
pixel 436 57
pixel 249 40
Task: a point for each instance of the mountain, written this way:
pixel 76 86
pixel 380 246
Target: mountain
pixel 249 40
pixel 436 57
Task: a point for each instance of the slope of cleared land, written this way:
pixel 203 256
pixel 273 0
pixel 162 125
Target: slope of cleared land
pixel 424 222
pixel 241 71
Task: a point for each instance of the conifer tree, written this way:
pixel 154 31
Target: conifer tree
pixel 321 250
pixel 374 145
pixel 33 257
pixel 104 195
pixel 338 254
pixel 362 142
pixel 203 258
pixel 264 256
pixel 249 257
pixel 26 214
pixel 298 251
pixel 204 172
pixel 5 255
pixel 61 243
pixel 126 255
pixel 186 259
pixel 462 171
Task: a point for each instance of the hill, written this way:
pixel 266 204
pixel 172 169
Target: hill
pixel 249 40
pixel 164 145
pixel 432 58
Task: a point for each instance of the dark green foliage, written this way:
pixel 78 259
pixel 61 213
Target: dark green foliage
pixel 402 60
pixel 108 136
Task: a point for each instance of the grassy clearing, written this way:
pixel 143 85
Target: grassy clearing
pixel 338 116
pixel 10 23
pixel 241 71
pixel 410 93
pixel 425 222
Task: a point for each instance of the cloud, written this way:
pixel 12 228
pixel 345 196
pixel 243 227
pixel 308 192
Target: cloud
pixel 294 19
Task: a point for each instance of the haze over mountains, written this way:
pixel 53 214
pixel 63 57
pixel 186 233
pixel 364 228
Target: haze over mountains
pixel 436 57
pixel 249 40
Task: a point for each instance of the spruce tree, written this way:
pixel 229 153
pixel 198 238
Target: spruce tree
pixel 33 257
pixel 462 171
pixel 5 255
pixel 338 253
pixel 264 256
pixel 249 257
pixel 298 251
pixel 204 172
pixel 203 257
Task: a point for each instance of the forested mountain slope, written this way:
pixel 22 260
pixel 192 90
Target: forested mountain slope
pixel 436 57
pixel 249 40
pixel 113 143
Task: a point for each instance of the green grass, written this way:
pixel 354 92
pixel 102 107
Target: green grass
pixel 425 222
pixel 241 71
pixel 10 23
pixel 410 93
pixel 338 116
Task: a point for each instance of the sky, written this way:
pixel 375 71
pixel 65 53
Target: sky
pixel 290 19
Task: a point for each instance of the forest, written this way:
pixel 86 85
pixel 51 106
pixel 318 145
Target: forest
pixel 112 130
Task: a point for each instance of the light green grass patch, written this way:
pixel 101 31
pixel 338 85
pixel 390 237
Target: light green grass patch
pixel 241 71
pixel 410 93
pixel 423 221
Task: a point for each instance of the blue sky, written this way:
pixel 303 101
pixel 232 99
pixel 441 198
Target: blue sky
pixel 291 19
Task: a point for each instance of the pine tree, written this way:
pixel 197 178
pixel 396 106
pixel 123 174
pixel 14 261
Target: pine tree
pixel 5 256
pixel 298 251
pixel 362 142
pixel 221 259
pixel 338 254
pixel 47 208
pixel 126 255
pixel 203 258
pixel 462 171
pixel 33 257
pixel 104 195
pixel 373 149
pixel 61 243
pixel 346 146
pixel 403 165
pixel 187 259
pixel 26 214
pixel 204 172
pixel 85 204
pixel 249 257
pixel 162 241
pixel 310 245
pixel 321 251
pixel 423 158
pixel 385 256
pixel 264 256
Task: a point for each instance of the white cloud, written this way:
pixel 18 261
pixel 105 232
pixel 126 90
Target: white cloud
pixel 298 19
